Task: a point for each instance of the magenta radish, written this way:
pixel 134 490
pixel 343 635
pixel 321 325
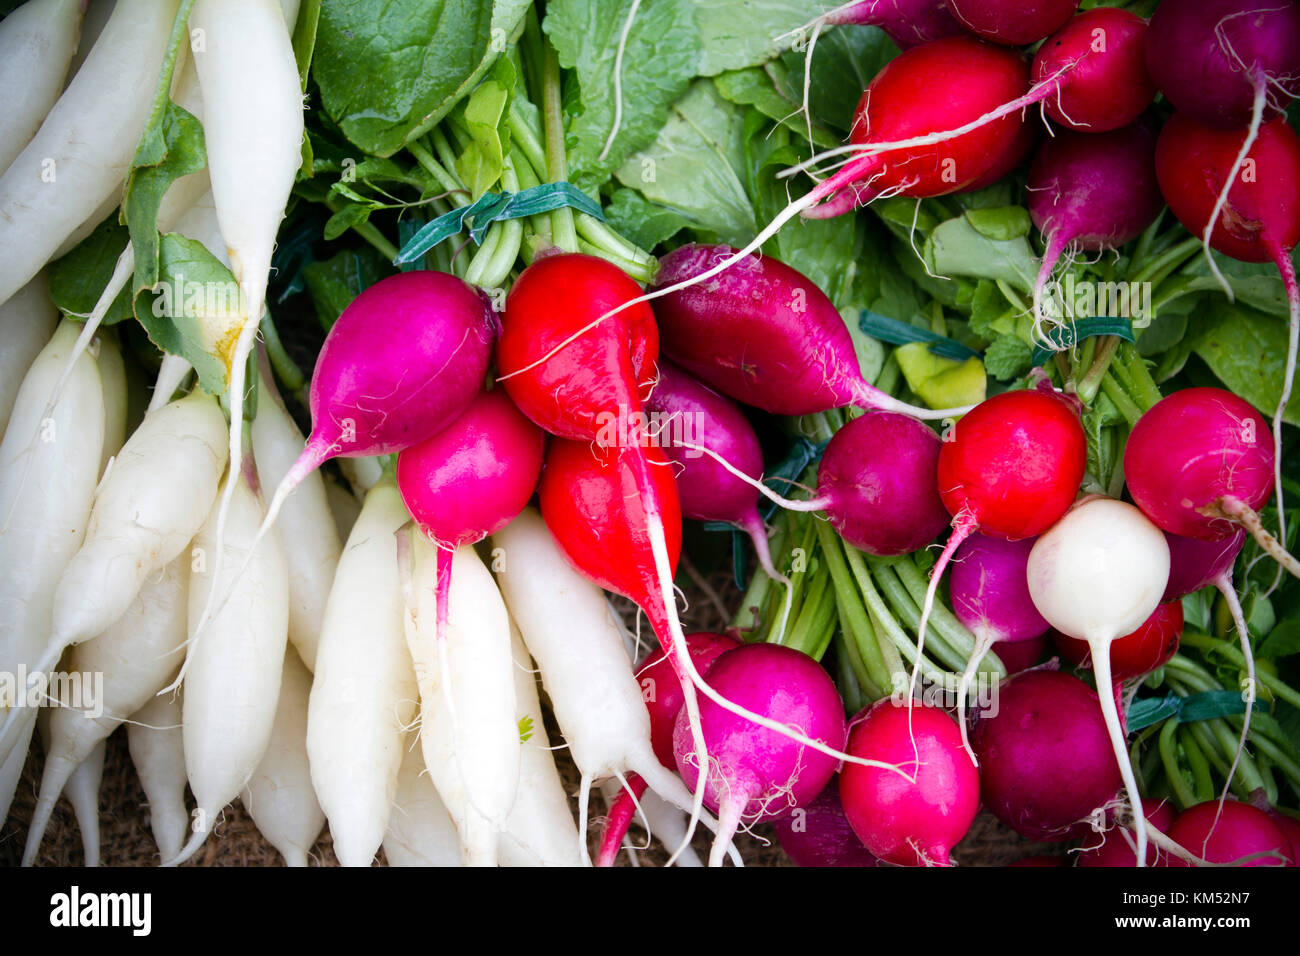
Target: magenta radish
pixel 917 821
pixel 1012 23
pixel 1116 847
pixel 1091 191
pixel 1227 831
pixel 1102 547
pixel 756 774
pixel 1194 564
pixel 1022 655
pixel 1108 86
pixel 820 833
pixel 989 585
pixel 1046 763
pixel 906 22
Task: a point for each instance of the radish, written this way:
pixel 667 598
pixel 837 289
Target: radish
pixel 763 334
pixel 37 42
pixel 305 520
pixel 27 322
pixel 1137 653
pixel 1116 847
pixel 46 491
pixel 83 793
pixel 1194 564
pixel 990 596
pixel 1108 86
pixel 420 831
pixel 1046 763
pixel 1091 191
pixel 233 675
pixel 1225 832
pixel 820 834
pixel 83 149
pixel 906 22
pixel 136 656
pixel 757 774
pixel 916 821
pixel 1253 216
pixel 279 796
pixel 158 753
pixel 1022 655
pixel 112 376
pixel 363 696
pixel 1014 24
pixel 1102 546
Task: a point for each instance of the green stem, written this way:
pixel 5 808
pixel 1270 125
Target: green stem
pixel 524 135
pixel 1276 685
pixel 1115 392
pixel 1132 372
pixel 563 232
pixel 1168 260
pixel 286 369
pixel 1202 782
pixel 1148 237
pixel 455 191
pixel 884 620
pixel 861 690
pixel 366 230
pixel 866 649
pixel 1088 386
pixel 1173 771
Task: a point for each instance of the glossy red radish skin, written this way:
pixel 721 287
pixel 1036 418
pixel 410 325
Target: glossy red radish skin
pixel 1137 653
pixel 1116 849
pixel 820 834
pixel 1015 156
pixel 909 823
pixel 1108 86
pixel 662 691
pixel 1012 23
pixel 1046 762
pixel 754 773
pixel 1227 833
pixel 1195 564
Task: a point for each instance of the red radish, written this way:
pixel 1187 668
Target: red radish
pixel 1227 831
pixel 1012 159
pixel 990 595
pixel 913 822
pixel 689 413
pixel 1102 547
pixel 1018 656
pixel 471 478
pixel 1137 653
pixel 1116 847
pixel 1290 827
pixel 756 774
pixel 1091 191
pixel 820 834
pixel 1109 87
pixel 1046 763
pixel 762 333
pixel 1012 23
pixel 1243 198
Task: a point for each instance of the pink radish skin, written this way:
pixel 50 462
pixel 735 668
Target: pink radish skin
pixel 909 823
pixel 762 333
pixel 755 774
pixel 1223 833
pixel 820 834
pixel 906 22
pixel 1108 86
pixel 1017 656
pixel 1046 761
pixel 1116 849
pixel 1010 22
pixel 1194 564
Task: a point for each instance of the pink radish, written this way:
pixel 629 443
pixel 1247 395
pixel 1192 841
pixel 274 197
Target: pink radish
pixel 1012 23
pixel 1109 86
pixel 820 833
pixel 906 22
pixel 1227 831
pixel 1116 847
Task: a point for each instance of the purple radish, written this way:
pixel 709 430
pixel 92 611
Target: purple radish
pixel 764 334
pixel 754 773
pixel 989 585
pixel 1012 22
pixel 820 834
pixel 1091 191
pixel 1194 564
pixel 1046 763
pixel 906 22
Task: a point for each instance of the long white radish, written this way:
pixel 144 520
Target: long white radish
pixel 27 322
pixel 37 42
pixel 92 25
pixel 468 723
pixel 45 496
pixel 232 674
pixel 158 753
pixel 133 659
pixel 344 508
pixel 364 695
pixel 540 830
pixel 83 794
pixel 150 505
pixel 82 151
pixel 112 376
pixel 571 633
pixel 305 520
pixel 171 373
pixel 420 830
pixel 280 798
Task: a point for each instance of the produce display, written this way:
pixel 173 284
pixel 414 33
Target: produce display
pixel 378 381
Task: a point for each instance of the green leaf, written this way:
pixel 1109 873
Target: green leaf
pixel 1256 284
pixel 353 214
pixel 1247 351
pixel 941 382
pixel 1002 223
pixel 957 248
pixel 660 56
pixel 304 37
pixel 754 87
pixel 741 33
pixel 525 729
pixel 333 283
pixel 388 70
pixel 195 309
pixel 1284 641
pixel 78 279
pixel 1008 358
pixel 642 222
pixel 181 153
pixel 845 60
pixel 480 165
pixel 694 166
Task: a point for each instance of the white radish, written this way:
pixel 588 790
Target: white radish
pixel 46 490
pixel 540 830
pixel 27 321
pixel 135 657
pixel 37 42
pixel 83 793
pixel 468 723
pixel 280 798
pixel 171 373
pixel 158 753
pixel 364 695
pixel 305 520
pixel 344 508
pixel 92 25
pixel 232 674
pixel 420 830
pixel 112 376
pixel 1096 575
pixel 82 151
pixel 572 634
